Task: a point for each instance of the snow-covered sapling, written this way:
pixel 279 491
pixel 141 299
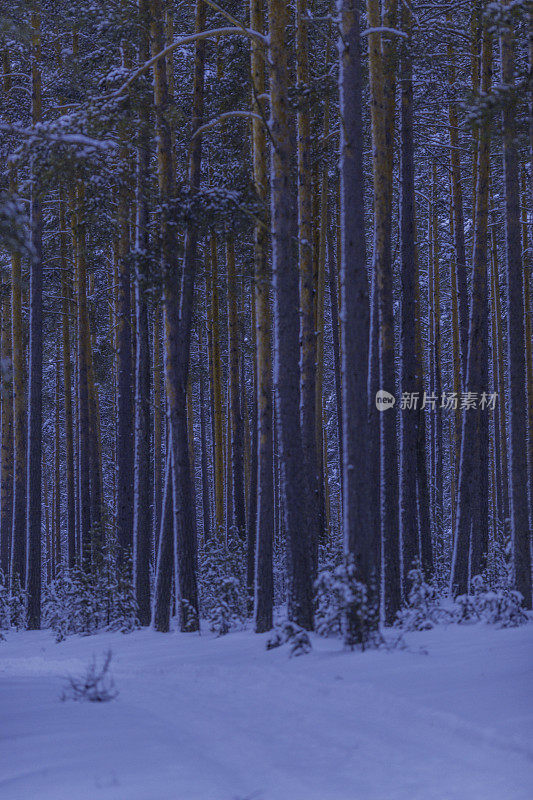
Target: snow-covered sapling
pixel 344 607
pixel 292 634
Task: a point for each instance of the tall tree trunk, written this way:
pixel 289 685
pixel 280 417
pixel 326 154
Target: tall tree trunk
pixel 6 466
pixel 84 432
pixel 359 533
pixel 294 488
pixel 235 410
pixel 206 502
pixel 308 339
pixel 18 537
pixel 157 429
pixel 165 558
pixel 413 481
pixel 516 378
pixel 263 533
pixel 216 386
pixel 437 362
pixel 178 312
pixel 471 534
pixel 35 401
pixel 461 288
pixel 382 61
pixel 67 385
pixel 125 412
pixel 142 468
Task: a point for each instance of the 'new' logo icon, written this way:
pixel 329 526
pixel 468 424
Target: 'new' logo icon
pixel 384 400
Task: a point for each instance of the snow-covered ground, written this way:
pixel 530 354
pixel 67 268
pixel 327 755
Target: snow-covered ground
pixel 199 718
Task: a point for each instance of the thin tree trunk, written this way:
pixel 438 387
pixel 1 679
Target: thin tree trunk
pixel 165 558
pixel 461 288
pixel 216 387
pixel 142 469
pixel 235 410
pixel 125 411
pixel 35 402
pixel 6 485
pixel 516 353
pixel 67 385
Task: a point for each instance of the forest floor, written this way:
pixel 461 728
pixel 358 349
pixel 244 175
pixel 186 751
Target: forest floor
pixel 199 718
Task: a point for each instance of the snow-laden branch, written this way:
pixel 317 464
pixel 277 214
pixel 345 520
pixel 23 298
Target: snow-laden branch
pixel 383 29
pixel 43 131
pixel 193 37
pixel 227 115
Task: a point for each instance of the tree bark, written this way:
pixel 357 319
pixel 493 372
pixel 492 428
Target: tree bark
pixel 294 488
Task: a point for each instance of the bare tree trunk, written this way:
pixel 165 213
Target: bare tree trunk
pixel 516 379
pixel 67 386
pixel 471 535
pixel 206 502
pixel 142 470
pixel 413 480
pixel 458 215
pixel 263 533
pixel 308 336
pixel 6 468
pixel 237 441
pixel 359 533
pixel 165 559
pixel 382 65
pixel 125 412
pixel 35 401
pixel 294 488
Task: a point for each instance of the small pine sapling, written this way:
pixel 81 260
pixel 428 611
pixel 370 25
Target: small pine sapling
pixel 292 634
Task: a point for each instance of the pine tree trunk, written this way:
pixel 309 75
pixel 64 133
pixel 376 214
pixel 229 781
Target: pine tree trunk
pixel 165 558
pixel 67 385
pixel 216 387
pixel 461 288
pixel 263 533
pixel 516 378
pixel 35 377
pixel 471 534
pixel 359 533
pixel 125 412
pixel 142 522
pixel 411 368
pixel 308 338
pixel 381 58
pixel 237 432
pixel 294 488
pixel 6 466
pixel 206 501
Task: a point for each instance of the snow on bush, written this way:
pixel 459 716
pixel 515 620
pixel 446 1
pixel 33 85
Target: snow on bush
pixel 292 634
pixel 95 686
pixel 13 604
pixel 500 606
pixel 423 609
pixel 222 582
pixel 343 607
pixel 81 601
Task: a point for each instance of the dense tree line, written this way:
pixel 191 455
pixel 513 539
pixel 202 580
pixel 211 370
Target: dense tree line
pixel 229 229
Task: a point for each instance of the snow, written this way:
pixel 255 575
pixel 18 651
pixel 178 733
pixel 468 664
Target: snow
pixel 200 718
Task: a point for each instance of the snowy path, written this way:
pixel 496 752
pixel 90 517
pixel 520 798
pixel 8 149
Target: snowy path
pixel 200 718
